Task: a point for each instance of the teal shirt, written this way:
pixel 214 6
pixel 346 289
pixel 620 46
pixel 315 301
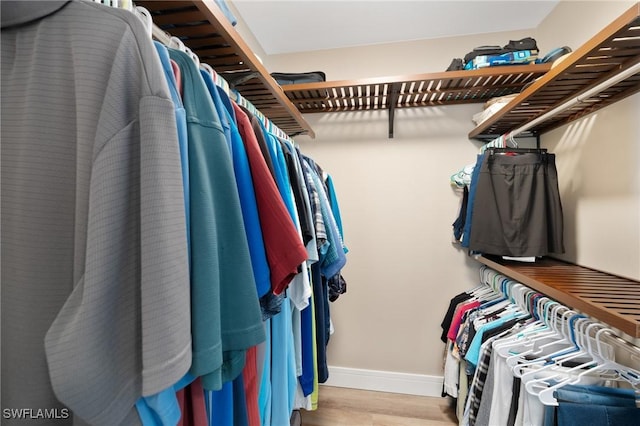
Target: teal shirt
pixel 335 208
pixel 226 317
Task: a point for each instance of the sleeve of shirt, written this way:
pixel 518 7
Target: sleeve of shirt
pixel 124 331
pixel 165 295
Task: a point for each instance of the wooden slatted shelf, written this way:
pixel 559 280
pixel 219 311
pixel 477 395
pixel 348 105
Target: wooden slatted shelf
pixel 407 91
pixel 611 299
pixel 202 27
pixel 612 50
pixel 413 90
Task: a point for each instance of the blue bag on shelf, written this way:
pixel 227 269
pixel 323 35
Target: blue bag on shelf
pixel 518 57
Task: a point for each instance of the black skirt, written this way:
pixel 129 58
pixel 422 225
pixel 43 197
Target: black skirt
pixel 517 209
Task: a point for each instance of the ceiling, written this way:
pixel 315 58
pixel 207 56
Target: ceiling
pixel 287 26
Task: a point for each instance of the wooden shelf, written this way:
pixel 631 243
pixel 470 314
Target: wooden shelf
pixel 612 50
pixel 408 91
pixel 609 298
pixel 202 27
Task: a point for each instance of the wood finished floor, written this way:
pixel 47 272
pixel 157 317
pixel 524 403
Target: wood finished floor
pixel 352 407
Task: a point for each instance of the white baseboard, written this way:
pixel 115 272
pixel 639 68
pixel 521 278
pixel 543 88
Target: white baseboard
pixel 385 381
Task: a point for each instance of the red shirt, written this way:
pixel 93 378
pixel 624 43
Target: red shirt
pixel 250 377
pixel 283 245
pixel 192 405
pixel 457 317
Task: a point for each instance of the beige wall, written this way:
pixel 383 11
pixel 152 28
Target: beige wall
pixel 397 204
pixel 414 57
pixel 574 22
pixel 397 207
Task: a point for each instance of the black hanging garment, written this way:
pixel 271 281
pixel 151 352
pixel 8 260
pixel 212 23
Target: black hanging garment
pixel 517 209
pixel 458 225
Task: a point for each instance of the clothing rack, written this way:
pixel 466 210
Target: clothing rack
pixel 170 41
pixel 490 277
pixel 580 288
pixel 581 98
pixel 204 27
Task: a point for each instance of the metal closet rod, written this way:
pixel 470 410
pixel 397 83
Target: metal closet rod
pixel 580 98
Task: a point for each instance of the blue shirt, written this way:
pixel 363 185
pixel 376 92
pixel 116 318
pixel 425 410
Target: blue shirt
pixel 283 367
pixel 473 353
pixel 335 207
pixel 220 405
pixel 466 233
pixel 283 382
pixel 163 408
pixel 226 318
pixel 264 391
pixel 246 191
pixel 181 124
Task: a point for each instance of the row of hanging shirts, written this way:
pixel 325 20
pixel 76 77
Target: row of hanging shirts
pixel 281 389
pixel 171 311
pixel 306 392
pixel 516 357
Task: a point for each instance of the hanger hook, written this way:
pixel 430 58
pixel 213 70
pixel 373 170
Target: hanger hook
pixel 193 56
pixel 146 18
pixel 176 43
pixel 208 69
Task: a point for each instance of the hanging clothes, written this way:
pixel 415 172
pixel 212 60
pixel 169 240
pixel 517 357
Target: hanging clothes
pixel 285 251
pixel 221 275
pixel 473 184
pixel 516 208
pixel 530 362
pixel 163 232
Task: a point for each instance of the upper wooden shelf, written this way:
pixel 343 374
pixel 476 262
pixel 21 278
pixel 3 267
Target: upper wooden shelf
pixel 203 28
pixel 443 88
pixel 611 299
pixel 611 51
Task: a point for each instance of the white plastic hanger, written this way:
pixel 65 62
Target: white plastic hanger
pixel 212 73
pixel 589 369
pixel 531 340
pixel 193 56
pixel 534 331
pixel 608 363
pixel 536 385
pixel 146 18
pixel 562 340
pixel 176 43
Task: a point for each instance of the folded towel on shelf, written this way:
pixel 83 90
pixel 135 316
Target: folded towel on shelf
pixel 492 106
